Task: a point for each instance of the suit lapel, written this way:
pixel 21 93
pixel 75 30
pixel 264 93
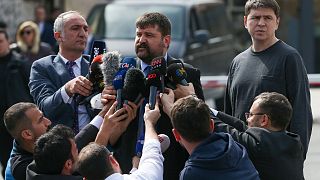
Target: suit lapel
pixel 61 69
pixel 84 67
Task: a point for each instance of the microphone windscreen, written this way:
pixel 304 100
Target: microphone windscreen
pixel 164 142
pixel 160 64
pixel 119 79
pixel 128 62
pixel 134 85
pixel 154 78
pixel 97 48
pixel 177 74
pixel 110 66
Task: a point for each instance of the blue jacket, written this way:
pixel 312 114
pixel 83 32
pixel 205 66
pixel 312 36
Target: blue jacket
pixel 219 157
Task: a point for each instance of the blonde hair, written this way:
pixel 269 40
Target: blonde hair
pixel 36 40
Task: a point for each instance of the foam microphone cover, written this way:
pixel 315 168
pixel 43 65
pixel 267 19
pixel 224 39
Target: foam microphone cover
pixel 160 64
pixel 177 74
pixel 110 66
pixel 134 87
pixel 128 62
pixel 97 48
pixel 164 142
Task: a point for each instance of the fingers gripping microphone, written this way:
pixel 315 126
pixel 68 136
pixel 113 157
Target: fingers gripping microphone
pixel 134 88
pixel 118 82
pixel 160 64
pixel 154 82
pixel 110 66
pixel 177 74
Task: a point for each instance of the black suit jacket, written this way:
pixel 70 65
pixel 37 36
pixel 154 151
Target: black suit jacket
pixel 276 155
pixel 175 156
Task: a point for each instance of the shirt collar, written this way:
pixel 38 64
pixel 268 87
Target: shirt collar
pixel 78 61
pixel 144 65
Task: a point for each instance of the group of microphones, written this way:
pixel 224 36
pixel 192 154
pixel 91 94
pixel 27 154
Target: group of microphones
pixel 130 83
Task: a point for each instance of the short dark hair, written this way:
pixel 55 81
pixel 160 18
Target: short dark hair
pixel 53 149
pixel 16 120
pixel 153 19
pixel 191 118
pixel 93 162
pixel 3 25
pixel 255 4
pixel 277 107
pixel 2 31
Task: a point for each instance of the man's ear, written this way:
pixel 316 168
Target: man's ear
pixel 245 18
pixel 176 134
pixel 27 134
pixel 265 121
pixel 167 40
pixel 58 36
pixel 114 163
pixel 211 125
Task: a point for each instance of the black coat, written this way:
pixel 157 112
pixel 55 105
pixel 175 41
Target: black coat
pixel 175 156
pixel 277 155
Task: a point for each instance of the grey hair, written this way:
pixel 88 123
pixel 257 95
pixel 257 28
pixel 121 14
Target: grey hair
pixel 59 22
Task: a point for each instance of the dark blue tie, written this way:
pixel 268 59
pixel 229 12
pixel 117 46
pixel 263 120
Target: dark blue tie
pixel 141 128
pixel 75 125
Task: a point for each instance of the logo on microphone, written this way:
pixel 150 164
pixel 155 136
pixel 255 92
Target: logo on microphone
pixel 152 76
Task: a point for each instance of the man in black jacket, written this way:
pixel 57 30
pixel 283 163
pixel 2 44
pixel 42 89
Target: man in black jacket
pixel 276 153
pixel 153 36
pixel 14 76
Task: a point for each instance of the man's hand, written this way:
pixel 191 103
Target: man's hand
pixel 79 85
pixel 110 123
pixel 167 100
pixel 106 108
pixel 152 116
pixel 108 94
pixel 183 91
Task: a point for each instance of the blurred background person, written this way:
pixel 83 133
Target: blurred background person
pixel 14 73
pixel 28 42
pixel 45 27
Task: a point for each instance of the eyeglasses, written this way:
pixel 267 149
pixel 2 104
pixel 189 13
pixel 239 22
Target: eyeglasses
pixel 27 32
pixel 248 115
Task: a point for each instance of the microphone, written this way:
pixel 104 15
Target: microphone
pixel 160 64
pixel 134 88
pixel 164 142
pixel 128 62
pixel 118 82
pixel 97 48
pixel 110 66
pixel 94 75
pixel 154 82
pixel 177 74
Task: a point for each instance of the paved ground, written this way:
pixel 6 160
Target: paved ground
pixel 312 163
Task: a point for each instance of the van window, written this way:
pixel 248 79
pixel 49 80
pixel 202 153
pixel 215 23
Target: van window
pixel 212 18
pixel 123 26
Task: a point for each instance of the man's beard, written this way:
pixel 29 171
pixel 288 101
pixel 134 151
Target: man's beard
pixel 149 55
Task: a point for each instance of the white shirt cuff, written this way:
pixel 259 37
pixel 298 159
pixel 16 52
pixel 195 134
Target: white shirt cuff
pixel 65 96
pixel 97 121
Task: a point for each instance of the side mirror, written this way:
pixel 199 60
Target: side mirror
pixel 201 36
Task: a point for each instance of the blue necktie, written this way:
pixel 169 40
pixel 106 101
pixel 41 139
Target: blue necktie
pixel 141 128
pixel 75 125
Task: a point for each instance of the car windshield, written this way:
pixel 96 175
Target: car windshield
pixel 123 26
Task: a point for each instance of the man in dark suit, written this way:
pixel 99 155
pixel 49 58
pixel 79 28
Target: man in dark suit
pixel 153 36
pixel 276 153
pixel 55 81
pixel 14 75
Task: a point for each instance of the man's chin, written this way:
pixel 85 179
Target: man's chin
pixel 144 58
